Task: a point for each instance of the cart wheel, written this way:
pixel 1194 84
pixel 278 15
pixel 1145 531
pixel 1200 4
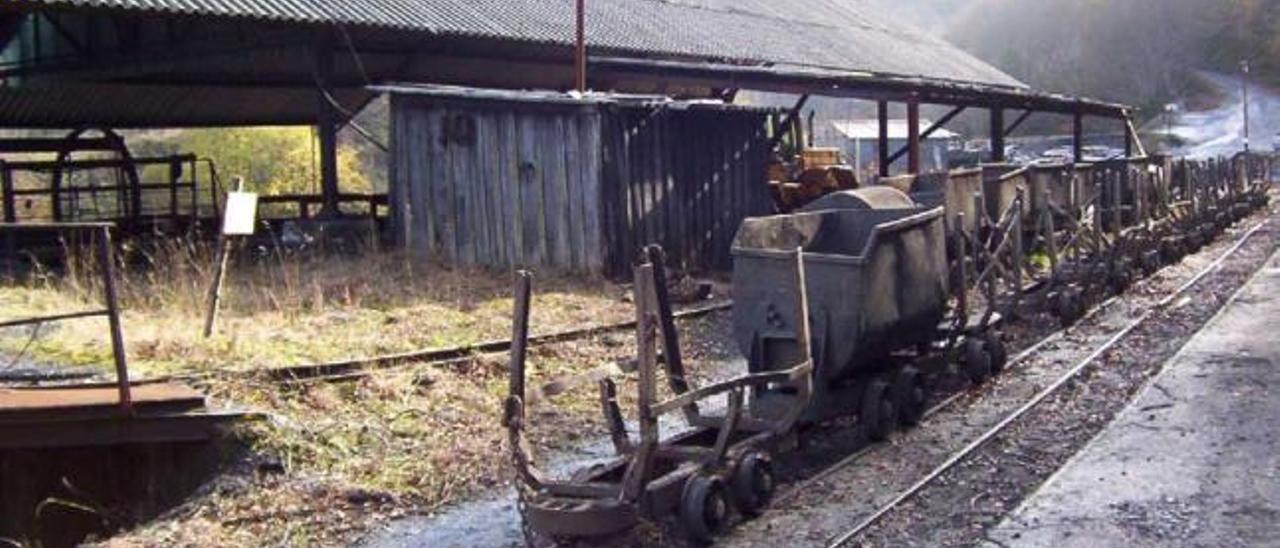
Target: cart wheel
pixel 704 508
pixel 753 484
pixel 1069 307
pixel 879 413
pixel 909 393
pixel 1150 262
pixel 1121 276
pixel 996 349
pixel 1173 251
pixel 977 361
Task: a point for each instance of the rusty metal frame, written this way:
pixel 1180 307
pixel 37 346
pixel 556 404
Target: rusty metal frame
pixel 590 505
pixel 106 265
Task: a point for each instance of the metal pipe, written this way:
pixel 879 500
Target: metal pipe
pixel 882 112
pixel 6 188
pixel 1244 67
pixel 1077 136
pixel 54 318
pixel 580 68
pixel 106 263
pixel 913 137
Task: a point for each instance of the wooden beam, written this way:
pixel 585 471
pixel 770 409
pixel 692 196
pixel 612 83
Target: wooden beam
pixel 789 121
pixel 1128 144
pixel 929 131
pixel 1017 122
pixel 913 137
pixel 1077 136
pixel 6 186
pixel 882 109
pixel 326 126
pixel 997 135
pixel 39 144
pixel 1131 134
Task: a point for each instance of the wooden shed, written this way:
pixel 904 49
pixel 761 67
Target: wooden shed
pixel 573 183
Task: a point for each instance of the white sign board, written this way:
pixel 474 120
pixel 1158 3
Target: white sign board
pixel 241 214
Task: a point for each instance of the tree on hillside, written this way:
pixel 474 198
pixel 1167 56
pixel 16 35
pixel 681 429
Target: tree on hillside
pixel 272 160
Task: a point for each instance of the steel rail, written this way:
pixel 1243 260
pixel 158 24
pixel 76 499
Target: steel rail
pixel 358 368
pixel 1040 397
pixel 1014 362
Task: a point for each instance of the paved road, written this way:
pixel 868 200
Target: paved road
pixel 1193 461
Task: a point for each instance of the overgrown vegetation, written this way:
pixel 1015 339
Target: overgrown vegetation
pixel 329 461
pixel 286 310
pixel 272 160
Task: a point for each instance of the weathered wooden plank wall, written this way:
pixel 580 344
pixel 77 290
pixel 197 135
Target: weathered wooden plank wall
pixel 499 184
pixel 684 179
pixel 579 187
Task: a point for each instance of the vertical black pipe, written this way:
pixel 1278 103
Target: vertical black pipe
pixel 997 135
pixel 580 65
pixel 10 201
pixel 882 111
pixel 1077 137
pixel 913 137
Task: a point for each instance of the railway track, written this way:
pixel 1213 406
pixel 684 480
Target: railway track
pixel 845 538
pixel 359 368
pixel 348 370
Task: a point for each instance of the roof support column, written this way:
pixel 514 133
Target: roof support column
pixel 6 187
pixel 882 110
pixel 1128 140
pixel 580 50
pixel 997 135
pixel 326 127
pixel 1077 137
pixel 913 136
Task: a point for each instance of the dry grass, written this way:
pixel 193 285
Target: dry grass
pixel 407 442
pixel 287 311
pixel 357 454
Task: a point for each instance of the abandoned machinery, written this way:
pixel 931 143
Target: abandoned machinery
pixel 841 305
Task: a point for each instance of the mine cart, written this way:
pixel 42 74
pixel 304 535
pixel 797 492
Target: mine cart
pixel 1000 186
pixel 877 278
pixel 953 191
pixel 721 464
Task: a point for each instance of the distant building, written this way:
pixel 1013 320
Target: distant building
pixel 859 140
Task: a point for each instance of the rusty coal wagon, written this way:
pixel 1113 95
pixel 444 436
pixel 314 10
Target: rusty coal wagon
pixel 878 284
pixel 722 462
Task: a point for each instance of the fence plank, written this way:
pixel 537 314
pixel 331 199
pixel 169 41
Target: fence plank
pixel 556 190
pixel 589 129
pixel 574 185
pixel 509 172
pixel 490 187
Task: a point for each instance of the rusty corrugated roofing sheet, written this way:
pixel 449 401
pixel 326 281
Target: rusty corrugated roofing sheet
pixel 836 34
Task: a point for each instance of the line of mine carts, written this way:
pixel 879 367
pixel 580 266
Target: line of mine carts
pixel 842 306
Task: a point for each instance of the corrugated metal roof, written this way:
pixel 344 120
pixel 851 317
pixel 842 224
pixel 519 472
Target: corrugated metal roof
pixel 848 35
pixel 127 106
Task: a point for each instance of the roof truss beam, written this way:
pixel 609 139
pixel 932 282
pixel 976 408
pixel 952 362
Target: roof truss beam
pixel 942 122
